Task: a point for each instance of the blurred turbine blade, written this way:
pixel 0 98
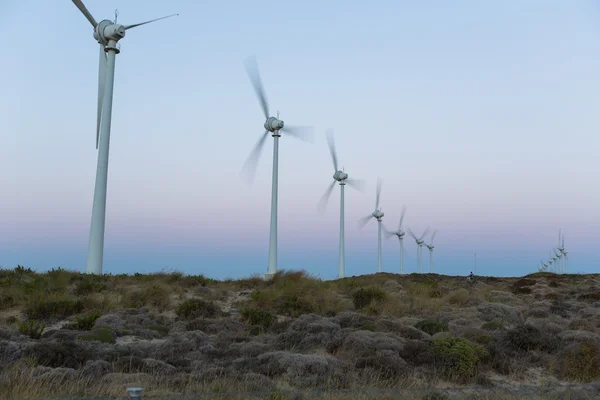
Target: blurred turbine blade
pixel 305 133
pixel 331 143
pixel 249 168
pixel 254 75
pixel 357 184
pixel 378 194
pixel 326 196
pixel 386 232
pixel 412 234
pixel 402 217
pixel 147 22
pixel 101 83
pixel 433 236
pixel 79 4
pixel 424 234
pixel 363 221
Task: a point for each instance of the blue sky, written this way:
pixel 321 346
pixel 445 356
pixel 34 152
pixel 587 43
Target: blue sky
pixel 481 117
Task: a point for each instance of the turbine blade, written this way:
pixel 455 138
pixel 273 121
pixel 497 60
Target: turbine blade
pixel 101 83
pixel 378 194
pixel 412 234
pixel 331 143
pixel 79 4
pixel 424 234
pixel 249 168
pixel 402 217
pixel 433 236
pixel 254 75
pixel 147 22
pixel 357 184
pixel 326 196
pixel 363 221
pixel 386 232
pixel 304 133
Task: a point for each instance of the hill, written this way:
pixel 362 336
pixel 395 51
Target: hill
pixel 65 333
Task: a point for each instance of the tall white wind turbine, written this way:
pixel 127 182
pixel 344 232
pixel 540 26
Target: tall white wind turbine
pixel 342 178
pixel 378 215
pixel 107 33
pixel 561 249
pixel 400 235
pixel 430 247
pixel 275 127
pixel 564 253
pixel 419 240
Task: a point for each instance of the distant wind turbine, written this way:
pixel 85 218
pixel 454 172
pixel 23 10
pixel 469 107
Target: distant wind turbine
pixel 419 240
pixel 430 246
pixel 400 234
pixel 342 178
pixel 378 215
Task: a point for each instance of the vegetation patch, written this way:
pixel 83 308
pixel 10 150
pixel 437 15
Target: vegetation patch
pixel 458 357
pixel 492 325
pixel 195 308
pixel 257 317
pixel 86 322
pixel 32 328
pixel 579 362
pixel 365 296
pixel 431 326
pixel 102 334
pixel 48 309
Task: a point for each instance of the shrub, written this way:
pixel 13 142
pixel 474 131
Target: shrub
pixel 492 325
pixel 155 296
pixel 459 297
pixel 195 308
pixel 45 310
pixel 32 328
pixel 579 362
pixel 293 306
pixel 86 322
pixel 432 326
pixel 102 334
pixel 528 337
pixel 6 301
pixel 89 284
pixel 364 296
pixel 66 354
pixel 459 357
pixel 257 317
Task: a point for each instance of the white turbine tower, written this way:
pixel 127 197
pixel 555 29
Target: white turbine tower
pixel 107 33
pixel 378 215
pixel 419 240
pixel 561 249
pixel 558 258
pixel 564 253
pixel 341 177
pixel 400 235
pixel 275 127
pixel 430 247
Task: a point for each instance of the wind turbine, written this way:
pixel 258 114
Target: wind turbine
pixel 400 234
pixel 107 33
pixel 275 127
pixel 564 253
pixel 420 240
pixel 558 256
pixel 561 249
pixel 341 177
pixel 430 246
pixel 378 215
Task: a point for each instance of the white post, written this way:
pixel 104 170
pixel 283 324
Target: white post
pixel 379 246
pixel 272 268
pixel 342 269
pixel 96 241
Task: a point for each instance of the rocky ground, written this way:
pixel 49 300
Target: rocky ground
pixel 64 333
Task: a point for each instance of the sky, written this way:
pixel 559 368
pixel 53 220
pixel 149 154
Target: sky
pixel 480 117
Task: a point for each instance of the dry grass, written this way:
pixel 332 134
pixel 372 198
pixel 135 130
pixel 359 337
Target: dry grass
pixel 173 333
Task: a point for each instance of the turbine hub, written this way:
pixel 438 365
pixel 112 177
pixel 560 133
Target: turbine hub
pixel 378 214
pixel 107 30
pixel 400 234
pixel 340 176
pixel 273 124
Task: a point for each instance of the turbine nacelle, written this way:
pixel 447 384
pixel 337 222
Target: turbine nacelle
pixel 378 214
pixel 340 176
pixel 400 234
pixel 273 124
pixel 420 242
pixel 107 30
pixel 430 247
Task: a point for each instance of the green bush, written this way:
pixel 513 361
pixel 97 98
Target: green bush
pixel 492 325
pixel 431 326
pixel 102 334
pixel 257 317
pixel 293 306
pixel 155 296
pixel 32 328
pixel 86 322
pixel 195 308
pixel 580 362
pixel 89 284
pixel 45 310
pixel 458 357
pixel 364 296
